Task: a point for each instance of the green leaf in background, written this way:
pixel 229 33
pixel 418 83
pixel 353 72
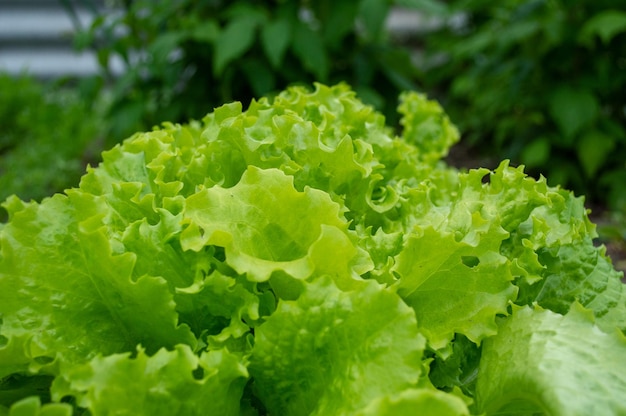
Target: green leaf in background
pixel 206 32
pixel 338 23
pixel 331 352
pixel 536 153
pixel 541 362
pixel 233 41
pixel 517 32
pixel 308 46
pixel 373 14
pixel 572 109
pixel 275 38
pixel 260 76
pixel 432 7
pixel 606 25
pixel 594 148
pixel 207 384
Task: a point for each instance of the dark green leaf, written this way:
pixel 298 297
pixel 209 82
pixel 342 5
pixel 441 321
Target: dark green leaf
pixel 206 32
pixel 164 45
pixel 103 57
pixel 373 14
pixel 593 150
pixel 260 77
pixel 339 22
pixel 233 42
pixel 572 109
pixel 309 48
pixel 432 7
pixel 275 38
pixel 473 45
pixel 537 152
pixel 519 32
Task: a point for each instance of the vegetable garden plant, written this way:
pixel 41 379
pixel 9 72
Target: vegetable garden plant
pixel 299 258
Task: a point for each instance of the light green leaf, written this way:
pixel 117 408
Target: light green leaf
pixel 275 38
pixel 561 365
pixel 331 352
pixel 340 23
pixel 453 286
pixel 78 298
pixel 255 222
pixel 519 32
pixel 572 110
pixel 423 402
pixel 259 75
pixel 169 383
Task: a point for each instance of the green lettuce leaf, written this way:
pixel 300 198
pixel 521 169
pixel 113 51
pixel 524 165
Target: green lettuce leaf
pixel 426 402
pixel 427 126
pixel 541 361
pixel 168 383
pixel 31 406
pixel 266 225
pixel 453 286
pixel 333 352
pixel 347 269
pixel 76 298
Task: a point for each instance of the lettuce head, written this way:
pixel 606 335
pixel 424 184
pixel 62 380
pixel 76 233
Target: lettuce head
pixel 300 257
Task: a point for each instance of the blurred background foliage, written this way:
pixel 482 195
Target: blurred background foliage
pixel 48 133
pixel 185 57
pixel 538 81
pixel 541 82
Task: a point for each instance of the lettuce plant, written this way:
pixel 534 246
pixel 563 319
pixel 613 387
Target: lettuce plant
pixel 299 258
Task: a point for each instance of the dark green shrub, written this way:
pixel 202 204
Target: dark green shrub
pixel 48 134
pixel 541 82
pixel 185 57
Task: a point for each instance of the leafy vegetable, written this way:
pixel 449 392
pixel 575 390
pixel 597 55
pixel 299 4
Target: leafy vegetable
pixel 297 258
pixel 541 347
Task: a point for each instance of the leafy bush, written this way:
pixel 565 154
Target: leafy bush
pixel 540 82
pixel 296 258
pixel 48 135
pixel 183 58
